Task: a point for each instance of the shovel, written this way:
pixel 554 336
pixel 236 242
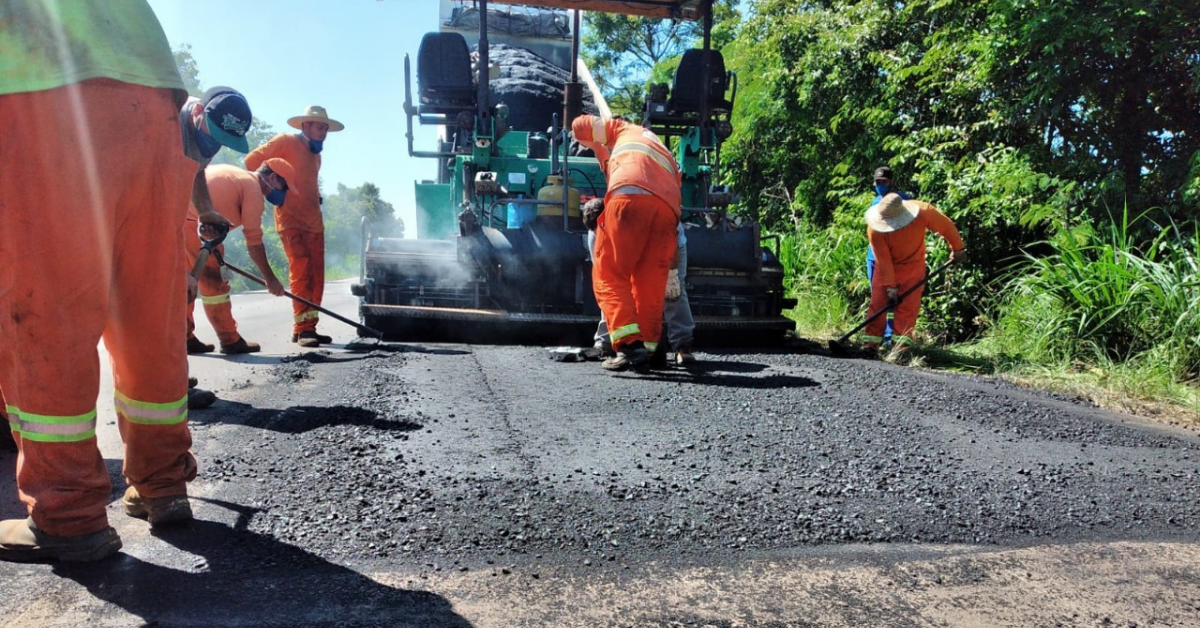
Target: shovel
pixel 838 348
pixel 363 329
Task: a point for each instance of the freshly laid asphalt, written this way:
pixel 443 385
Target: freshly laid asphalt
pixel 412 484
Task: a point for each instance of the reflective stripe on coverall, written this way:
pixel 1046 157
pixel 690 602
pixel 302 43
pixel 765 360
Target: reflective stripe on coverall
pixel 900 264
pixel 635 236
pixel 74 157
pixel 300 224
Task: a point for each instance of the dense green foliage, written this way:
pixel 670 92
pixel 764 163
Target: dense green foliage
pixel 1019 119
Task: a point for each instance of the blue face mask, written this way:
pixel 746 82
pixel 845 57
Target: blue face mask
pixel 275 197
pixel 882 188
pixel 207 144
pixel 314 145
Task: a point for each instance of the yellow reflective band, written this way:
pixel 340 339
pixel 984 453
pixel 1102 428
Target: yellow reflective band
pixel 901 340
pixel 875 339
pixel 617 334
pixel 667 163
pixel 147 413
pixel 651 347
pixel 215 299
pixel 44 428
pixel 599 134
pixel 308 315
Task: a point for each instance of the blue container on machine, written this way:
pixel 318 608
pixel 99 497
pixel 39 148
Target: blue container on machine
pixel 519 214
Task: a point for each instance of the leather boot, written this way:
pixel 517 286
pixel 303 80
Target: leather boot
pixel 21 541
pixel 157 510
pixel 241 346
pixel 195 345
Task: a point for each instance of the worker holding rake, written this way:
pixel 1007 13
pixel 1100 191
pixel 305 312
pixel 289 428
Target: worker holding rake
pixel 896 230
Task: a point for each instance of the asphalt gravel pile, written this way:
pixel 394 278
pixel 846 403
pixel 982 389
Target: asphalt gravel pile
pixel 467 457
pixel 531 86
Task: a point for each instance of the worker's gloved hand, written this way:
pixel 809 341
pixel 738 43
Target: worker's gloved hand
pixel 958 256
pixel 591 213
pixel 893 296
pixel 674 289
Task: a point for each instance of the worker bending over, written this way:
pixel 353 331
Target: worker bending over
pixel 238 195
pixel 896 230
pixel 635 234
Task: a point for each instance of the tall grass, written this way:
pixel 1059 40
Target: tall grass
pixel 825 271
pixel 1102 299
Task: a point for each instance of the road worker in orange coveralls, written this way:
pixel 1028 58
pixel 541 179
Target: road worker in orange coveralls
pixel 238 195
pixel 896 230
pixel 92 195
pixel 299 221
pixel 635 235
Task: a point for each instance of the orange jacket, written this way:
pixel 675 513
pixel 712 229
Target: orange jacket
pixel 899 249
pixel 631 155
pixel 301 210
pixel 237 196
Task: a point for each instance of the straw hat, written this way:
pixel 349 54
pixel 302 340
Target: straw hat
pixel 891 214
pixel 315 113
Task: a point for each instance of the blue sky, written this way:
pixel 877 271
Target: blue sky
pixel 346 55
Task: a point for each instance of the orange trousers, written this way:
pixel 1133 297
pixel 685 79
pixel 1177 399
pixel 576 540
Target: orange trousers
pixel 214 290
pixel 635 244
pixel 905 320
pixel 91 200
pixel 306 274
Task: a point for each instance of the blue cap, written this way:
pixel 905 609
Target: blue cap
pixel 228 116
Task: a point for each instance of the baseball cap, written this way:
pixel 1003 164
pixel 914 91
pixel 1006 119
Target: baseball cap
pixel 228 116
pixel 883 172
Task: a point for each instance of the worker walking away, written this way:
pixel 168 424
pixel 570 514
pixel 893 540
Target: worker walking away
pixel 89 97
pixel 299 221
pixel 896 230
pixel 677 312
pixel 238 195
pixel 635 234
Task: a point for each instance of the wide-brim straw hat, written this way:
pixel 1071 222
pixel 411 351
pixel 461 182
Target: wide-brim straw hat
pixel 891 214
pixel 315 113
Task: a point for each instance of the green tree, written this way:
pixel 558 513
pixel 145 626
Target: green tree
pixel 625 52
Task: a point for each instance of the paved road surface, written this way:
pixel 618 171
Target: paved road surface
pixel 459 485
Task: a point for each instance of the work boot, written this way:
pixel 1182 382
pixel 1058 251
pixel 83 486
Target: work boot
pixel 633 357
pixel 21 541
pixel 241 346
pixel 195 345
pixel 322 338
pixel 869 350
pixel 683 354
pixel 308 339
pixel 157 510
pixel 199 399
pixel 602 349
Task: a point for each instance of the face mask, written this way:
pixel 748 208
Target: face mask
pixel 207 144
pixel 882 188
pixel 275 197
pixel 314 145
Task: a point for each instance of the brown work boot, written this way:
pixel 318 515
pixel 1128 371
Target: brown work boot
pixel 633 357
pixel 683 354
pixel 22 542
pixel 241 346
pixel 157 510
pixel 602 349
pixel 308 339
pixel 195 345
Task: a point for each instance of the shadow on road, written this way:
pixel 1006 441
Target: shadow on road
pixel 298 419
pixel 230 576
pixel 726 375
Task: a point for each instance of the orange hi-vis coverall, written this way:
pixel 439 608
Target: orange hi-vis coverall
pixel 900 264
pixel 300 224
pixel 91 199
pixel 237 196
pixel 636 235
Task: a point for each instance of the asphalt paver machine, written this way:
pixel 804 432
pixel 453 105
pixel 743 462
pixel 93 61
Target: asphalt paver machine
pixel 501 253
